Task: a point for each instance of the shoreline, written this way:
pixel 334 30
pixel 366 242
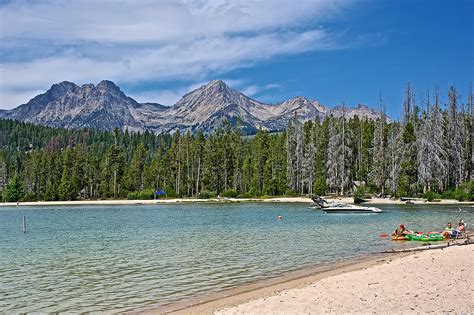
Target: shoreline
pixel 373 201
pixel 265 296
pixel 208 303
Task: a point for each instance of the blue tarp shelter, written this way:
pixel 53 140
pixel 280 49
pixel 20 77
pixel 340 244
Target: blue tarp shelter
pixel 160 192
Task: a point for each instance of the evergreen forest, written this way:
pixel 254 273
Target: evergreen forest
pixel 428 153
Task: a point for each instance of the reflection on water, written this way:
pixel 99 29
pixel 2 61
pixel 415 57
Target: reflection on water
pixel 118 258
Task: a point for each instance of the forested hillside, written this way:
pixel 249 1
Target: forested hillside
pixel 429 152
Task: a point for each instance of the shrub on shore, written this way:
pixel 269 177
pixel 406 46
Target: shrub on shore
pixel 246 195
pixel 431 196
pixel 231 193
pixel 465 192
pixel 206 195
pixel 141 195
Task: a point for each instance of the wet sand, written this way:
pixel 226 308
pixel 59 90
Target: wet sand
pixel 438 280
pixel 207 304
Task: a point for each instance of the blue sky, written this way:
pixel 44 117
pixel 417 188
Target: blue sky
pixel 271 50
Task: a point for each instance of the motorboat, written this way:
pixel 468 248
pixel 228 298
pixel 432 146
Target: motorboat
pixel 348 208
pixel 339 207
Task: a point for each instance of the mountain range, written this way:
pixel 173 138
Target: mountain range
pixel 105 106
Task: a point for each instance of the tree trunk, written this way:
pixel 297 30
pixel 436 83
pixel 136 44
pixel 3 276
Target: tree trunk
pixel 198 175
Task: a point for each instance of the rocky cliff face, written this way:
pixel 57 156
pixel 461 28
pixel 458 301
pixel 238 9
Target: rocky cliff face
pixel 360 111
pixel 67 105
pixel 205 109
pixel 300 106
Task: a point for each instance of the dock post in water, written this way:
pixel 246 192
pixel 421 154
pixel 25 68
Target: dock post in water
pixel 24 224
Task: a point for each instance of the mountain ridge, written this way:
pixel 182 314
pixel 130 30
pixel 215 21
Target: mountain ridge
pixel 106 106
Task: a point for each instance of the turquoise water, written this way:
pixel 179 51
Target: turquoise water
pixel 119 258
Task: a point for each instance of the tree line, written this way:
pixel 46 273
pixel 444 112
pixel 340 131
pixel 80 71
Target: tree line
pixel 429 152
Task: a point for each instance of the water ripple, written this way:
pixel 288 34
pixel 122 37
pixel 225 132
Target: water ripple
pixel 115 259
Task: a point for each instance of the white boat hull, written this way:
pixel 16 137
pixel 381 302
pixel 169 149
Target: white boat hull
pixel 336 207
pixel 342 208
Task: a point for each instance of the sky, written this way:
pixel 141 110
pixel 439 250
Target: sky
pixel 334 51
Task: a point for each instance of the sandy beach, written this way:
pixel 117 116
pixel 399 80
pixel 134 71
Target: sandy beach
pixel 373 201
pixel 432 281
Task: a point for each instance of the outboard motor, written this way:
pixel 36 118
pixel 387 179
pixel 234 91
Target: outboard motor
pixel 318 201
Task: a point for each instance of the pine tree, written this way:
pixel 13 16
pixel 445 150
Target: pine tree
pixel 470 102
pixel 134 178
pixel 112 169
pixel 3 171
pixel 394 159
pixel 455 140
pixel 91 170
pixel 239 160
pixel 408 175
pixel 260 156
pixel 379 169
pixel 437 158
pixel 308 165
pixel 14 189
pixel 199 158
pixel 425 149
pixel 321 133
pixel 291 154
pixel 66 189
pixel 338 156
pixel 333 165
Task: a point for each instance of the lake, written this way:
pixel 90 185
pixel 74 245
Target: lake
pixel 121 258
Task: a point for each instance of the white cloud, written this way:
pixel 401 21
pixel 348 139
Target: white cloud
pixel 137 41
pixel 154 21
pixel 273 85
pixel 251 90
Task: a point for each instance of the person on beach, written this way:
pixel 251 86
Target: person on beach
pixel 448 230
pixel 453 233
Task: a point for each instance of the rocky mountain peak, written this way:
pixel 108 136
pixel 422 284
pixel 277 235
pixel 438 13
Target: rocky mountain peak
pixel 299 99
pixel 107 85
pixel 296 103
pixel 217 87
pixel 216 94
pixel 59 89
pixel 362 106
pixel 88 86
pixel 109 89
pixel 216 83
pixel 105 106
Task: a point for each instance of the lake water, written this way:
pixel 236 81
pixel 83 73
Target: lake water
pixel 119 258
